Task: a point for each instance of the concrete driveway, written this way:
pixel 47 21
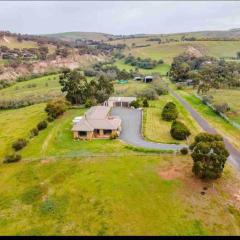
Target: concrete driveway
pixel 131 130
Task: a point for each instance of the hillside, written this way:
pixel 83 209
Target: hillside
pixel 72 36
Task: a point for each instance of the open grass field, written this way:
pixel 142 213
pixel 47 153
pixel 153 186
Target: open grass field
pixel 232 98
pixel 128 195
pixel 215 120
pixel 162 68
pixel 12 42
pixel 168 51
pixel 17 124
pixel 157 130
pixel 43 86
pixel 129 89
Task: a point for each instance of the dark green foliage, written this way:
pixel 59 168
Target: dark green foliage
pixel 12 158
pixel 209 155
pixel 34 132
pixel 19 144
pixel 78 89
pixel 145 103
pixel 184 151
pixel 56 107
pixel 42 125
pixel 146 63
pixel 90 73
pixel 88 103
pixel 169 112
pixel 135 104
pixel 179 131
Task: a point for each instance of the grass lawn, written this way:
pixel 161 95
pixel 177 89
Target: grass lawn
pixel 43 86
pixel 232 98
pixel 57 141
pixel 129 89
pixel 128 195
pixel 162 68
pixel 17 123
pixel 157 130
pixel 222 126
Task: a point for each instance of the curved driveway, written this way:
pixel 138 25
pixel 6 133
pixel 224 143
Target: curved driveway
pixel 131 130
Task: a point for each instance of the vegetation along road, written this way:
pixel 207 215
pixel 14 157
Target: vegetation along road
pixel 131 130
pixel 234 157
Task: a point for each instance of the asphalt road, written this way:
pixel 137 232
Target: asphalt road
pixel 131 130
pixel 234 157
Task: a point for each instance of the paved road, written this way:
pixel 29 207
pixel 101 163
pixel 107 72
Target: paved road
pixel 131 130
pixel 234 153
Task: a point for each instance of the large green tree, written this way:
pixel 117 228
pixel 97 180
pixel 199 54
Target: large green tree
pixel 209 155
pixel 75 85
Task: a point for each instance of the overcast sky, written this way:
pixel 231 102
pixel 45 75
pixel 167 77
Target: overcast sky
pixel 118 17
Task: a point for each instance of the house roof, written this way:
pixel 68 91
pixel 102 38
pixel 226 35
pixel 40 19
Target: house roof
pixel 97 118
pixel 82 125
pixel 122 99
pixel 97 112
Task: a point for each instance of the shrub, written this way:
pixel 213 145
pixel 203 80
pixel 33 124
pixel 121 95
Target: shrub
pixel 56 107
pixel 209 155
pixel 148 93
pixel 145 103
pixel 113 136
pixel 19 144
pixel 169 112
pixel 88 103
pixel 179 131
pixel 50 119
pixel 207 99
pixel 12 158
pixel 135 104
pixel 184 151
pixel 42 125
pixel 160 89
pixel 222 107
pixel 34 132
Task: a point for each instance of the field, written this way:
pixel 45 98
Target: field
pixel 168 51
pixel 157 130
pixel 17 124
pixel 11 42
pixel 115 196
pixel 129 89
pixel 162 68
pixel 232 98
pixel 43 86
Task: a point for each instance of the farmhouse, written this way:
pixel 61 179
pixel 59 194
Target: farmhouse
pixel 96 123
pixel 148 79
pixel 119 101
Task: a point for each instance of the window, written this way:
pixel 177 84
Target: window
pixel 82 134
pixel 107 132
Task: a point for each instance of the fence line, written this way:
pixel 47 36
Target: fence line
pixel 234 124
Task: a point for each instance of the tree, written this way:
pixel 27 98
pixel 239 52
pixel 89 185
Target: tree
pixel 179 131
pixel 209 155
pixel 42 125
pixel 75 85
pixel 145 103
pixel 238 55
pixel 19 144
pixel 56 107
pixel 169 112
